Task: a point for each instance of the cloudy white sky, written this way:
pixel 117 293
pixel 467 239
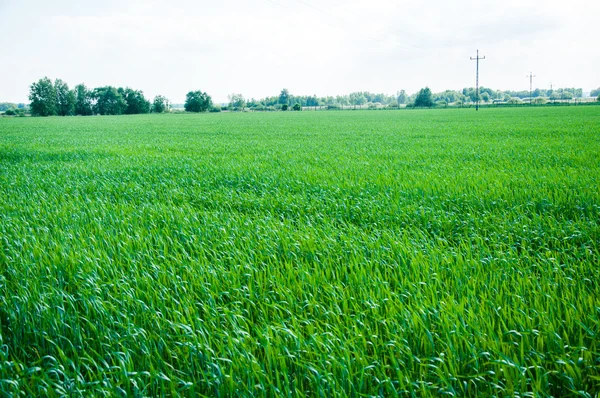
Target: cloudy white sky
pixel 323 47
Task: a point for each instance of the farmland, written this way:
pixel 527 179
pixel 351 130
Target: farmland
pixel 323 253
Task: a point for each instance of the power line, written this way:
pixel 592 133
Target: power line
pixel 477 79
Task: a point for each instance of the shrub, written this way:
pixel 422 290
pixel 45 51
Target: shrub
pixel 10 112
pixel 297 107
pixel 284 107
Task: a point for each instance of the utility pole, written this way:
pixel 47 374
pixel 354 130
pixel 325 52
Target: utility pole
pixel 477 79
pixel 531 76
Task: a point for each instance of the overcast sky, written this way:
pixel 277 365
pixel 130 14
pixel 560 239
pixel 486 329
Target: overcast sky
pixel 323 47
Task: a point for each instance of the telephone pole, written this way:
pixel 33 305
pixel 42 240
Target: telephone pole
pixel 477 79
pixel 531 76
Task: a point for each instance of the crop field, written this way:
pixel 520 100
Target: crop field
pixel 366 253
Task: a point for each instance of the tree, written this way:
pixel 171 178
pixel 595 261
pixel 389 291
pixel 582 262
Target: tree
pixel 83 101
pixel 297 107
pixel 135 101
pixel 284 107
pixel 65 98
pixel 43 98
pixel 108 101
pixel 485 97
pixel 595 93
pixel 284 97
pixel 160 104
pixel 598 99
pixel 402 98
pixel 236 101
pixel 197 101
pixel 566 95
pixel 424 98
pixel 515 100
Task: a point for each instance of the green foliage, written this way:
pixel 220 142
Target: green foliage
pixel 7 105
pixel 237 102
pixel 515 101
pixel 108 101
pixel 65 98
pixel 197 101
pixel 402 97
pixel 424 98
pixel 135 101
pixel 301 254
pixel 215 109
pixel 595 93
pixel 10 112
pixel 160 104
pixel 284 97
pixel 566 95
pixel 284 107
pixel 43 98
pixel 297 107
pixel 83 100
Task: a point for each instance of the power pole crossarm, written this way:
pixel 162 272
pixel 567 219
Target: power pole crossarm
pixel 477 79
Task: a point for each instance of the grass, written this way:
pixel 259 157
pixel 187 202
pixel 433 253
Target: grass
pixel 302 254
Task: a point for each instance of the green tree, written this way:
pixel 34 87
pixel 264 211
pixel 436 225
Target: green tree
pixel 402 98
pixel 297 107
pixel 4 106
pixel 566 95
pixel 424 98
pixel 83 100
pixel 65 98
pixel 160 104
pixel 357 99
pixel 43 98
pixel 237 101
pixel 197 101
pixel 284 97
pixel 135 100
pixel 108 101
pixel 595 93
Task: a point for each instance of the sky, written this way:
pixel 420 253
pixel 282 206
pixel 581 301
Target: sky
pixel 322 47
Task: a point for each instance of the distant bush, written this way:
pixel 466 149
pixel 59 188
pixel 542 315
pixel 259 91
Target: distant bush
pixel 540 101
pixel 10 112
pixel 297 107
pixel 284 107
pixel 515 100
pixel 333 107
pixel 215 109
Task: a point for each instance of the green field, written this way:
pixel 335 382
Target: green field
pixel 309 253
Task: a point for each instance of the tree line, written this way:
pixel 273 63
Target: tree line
pixel 424 97
pixel 50 98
